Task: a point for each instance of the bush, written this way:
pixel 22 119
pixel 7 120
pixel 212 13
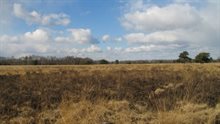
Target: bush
pixel 203 57
pixel 103 61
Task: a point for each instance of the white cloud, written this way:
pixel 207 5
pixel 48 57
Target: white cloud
pixel 180 22
pixel 143 49
pixel 114 49
pixel 40 42
pixel 140 48
pixel 24 48
pixel 109 48
pixel 118 39
pixel 190 1
pixel 118 49
pixel 36 42
pixel 38 35
pixel 77 51
pixel 150 48
pixel 81 36
pixel 173 16
pixel 62 39
pixel 105 38
pixel 108 38
pixel 6 38
pixel 68 51
pixel 155 37
pixel 35 17
pixel 40 48
pixel 92 48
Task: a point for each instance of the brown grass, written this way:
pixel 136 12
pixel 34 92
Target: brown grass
pixel 153 93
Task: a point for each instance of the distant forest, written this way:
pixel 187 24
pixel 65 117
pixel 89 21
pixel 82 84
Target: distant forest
pixel 203 57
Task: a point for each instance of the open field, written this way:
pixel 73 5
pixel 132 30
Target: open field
pixel 120 94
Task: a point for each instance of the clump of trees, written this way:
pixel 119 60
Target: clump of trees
pixel 116 61
pixel 203 57
pixel 184 57
pixel 103 61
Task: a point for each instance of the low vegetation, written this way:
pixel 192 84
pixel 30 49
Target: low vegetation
pixel 203 57
pixel 110 94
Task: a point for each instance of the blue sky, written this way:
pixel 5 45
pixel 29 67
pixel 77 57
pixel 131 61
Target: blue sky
pixel 109 29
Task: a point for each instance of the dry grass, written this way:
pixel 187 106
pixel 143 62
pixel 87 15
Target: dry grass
pixel 153 93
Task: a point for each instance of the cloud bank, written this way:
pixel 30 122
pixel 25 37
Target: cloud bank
pixel 178 22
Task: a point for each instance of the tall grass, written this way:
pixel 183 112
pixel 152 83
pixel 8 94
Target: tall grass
pixel 155 93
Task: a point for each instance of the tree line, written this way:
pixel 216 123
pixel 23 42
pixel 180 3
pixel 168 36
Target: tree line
pixel 202 57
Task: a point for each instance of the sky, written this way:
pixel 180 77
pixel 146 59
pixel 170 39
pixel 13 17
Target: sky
pixel 109 29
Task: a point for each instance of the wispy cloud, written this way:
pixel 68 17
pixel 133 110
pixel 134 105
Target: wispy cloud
pixel 35 17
